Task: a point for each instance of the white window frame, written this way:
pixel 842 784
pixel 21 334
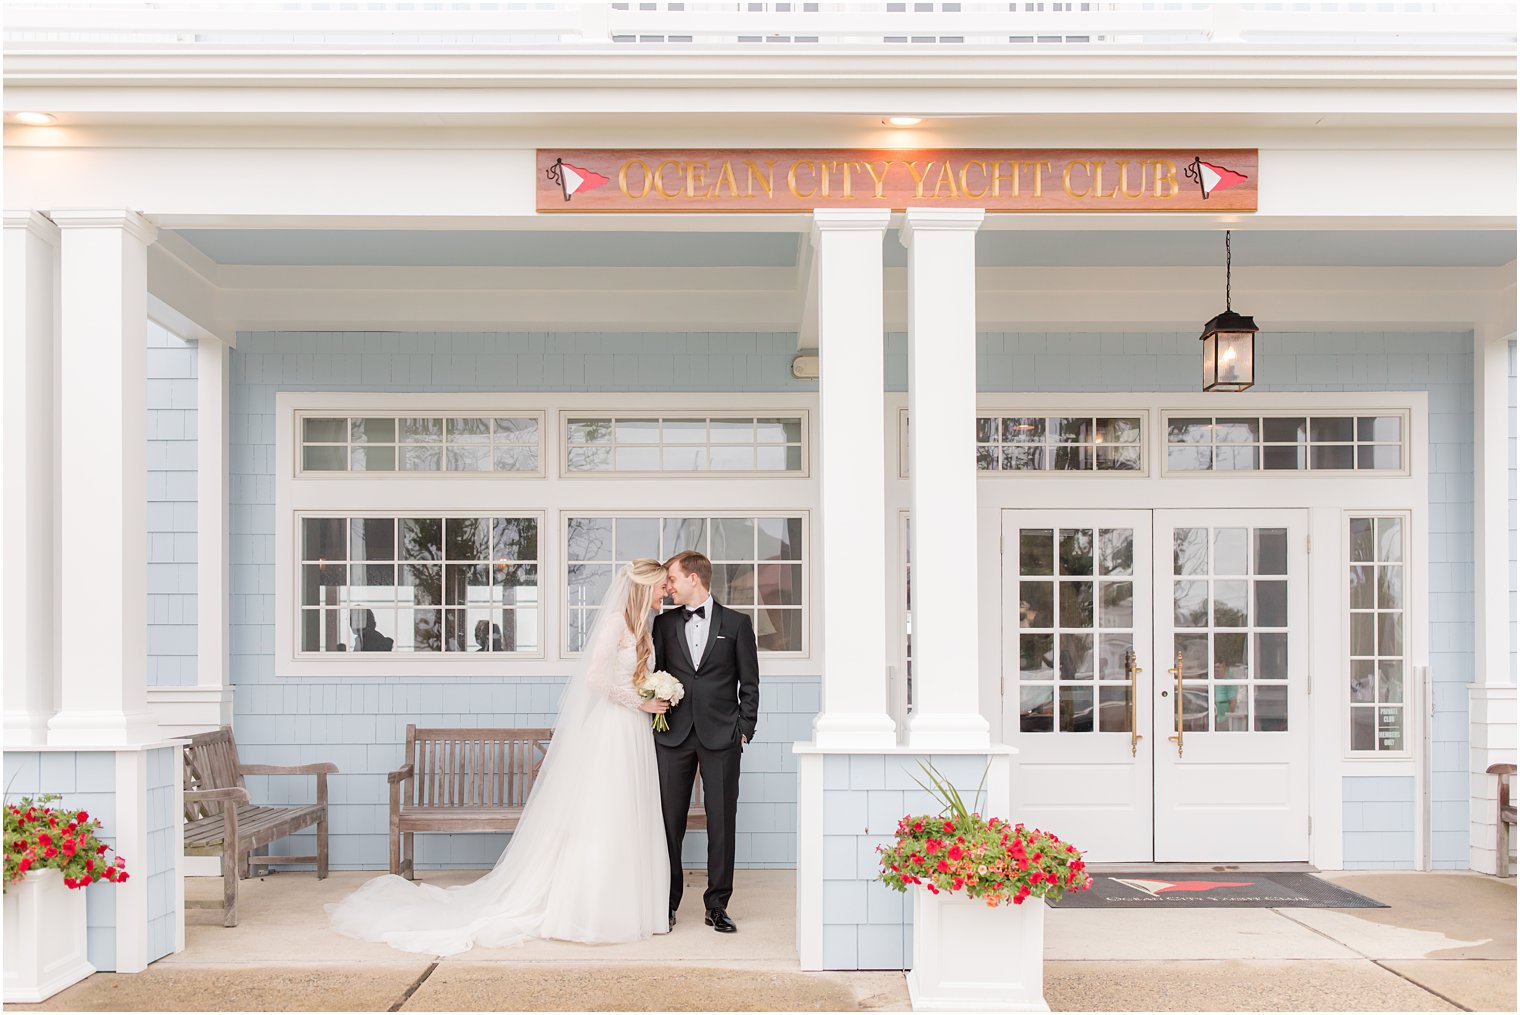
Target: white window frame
pixel 1376 408
pixel 414 475
pixel 693 412
pixel 1019 407
pixel 549 496
pixel 1414 689
pixel 808 594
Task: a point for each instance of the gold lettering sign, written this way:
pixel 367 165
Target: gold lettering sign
pixel 799 180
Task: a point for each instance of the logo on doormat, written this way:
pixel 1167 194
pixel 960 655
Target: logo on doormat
pixel 1154 888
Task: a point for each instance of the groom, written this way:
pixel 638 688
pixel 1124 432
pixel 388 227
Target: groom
pixel 711 650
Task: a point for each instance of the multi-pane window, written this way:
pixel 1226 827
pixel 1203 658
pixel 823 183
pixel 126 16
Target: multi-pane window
pixel 407 583
pixel 421 444
pixel 1284 443
pixel 1076 595
pixel 757 567
pixel 1230 627
pixel 1058 443
pixel 735 444
pixel 1376 625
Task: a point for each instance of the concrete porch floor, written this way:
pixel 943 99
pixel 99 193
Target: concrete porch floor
pixel 1447 944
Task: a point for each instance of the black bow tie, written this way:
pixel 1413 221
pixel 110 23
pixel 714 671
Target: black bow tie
pixel 700 611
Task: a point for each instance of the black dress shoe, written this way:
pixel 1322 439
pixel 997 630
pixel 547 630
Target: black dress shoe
pixel 672 919
pixel 718 920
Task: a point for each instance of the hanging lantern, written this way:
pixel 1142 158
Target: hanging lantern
pixel 1229 344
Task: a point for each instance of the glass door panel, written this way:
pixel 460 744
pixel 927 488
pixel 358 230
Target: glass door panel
pixel 1231 768
pixel 1076 618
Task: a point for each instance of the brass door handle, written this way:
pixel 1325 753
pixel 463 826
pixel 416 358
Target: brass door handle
pixel 1176 671
pixel 1134 691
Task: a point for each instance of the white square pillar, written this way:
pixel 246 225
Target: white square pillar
pixel 213 380
pixel 852 453
pixel 103 479
pixel 942 476
pixel 27 595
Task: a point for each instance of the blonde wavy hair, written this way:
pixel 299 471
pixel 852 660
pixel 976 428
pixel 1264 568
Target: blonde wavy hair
pixel 645 576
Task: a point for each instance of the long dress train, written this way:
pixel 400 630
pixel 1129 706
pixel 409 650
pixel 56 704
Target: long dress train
pixel 588 860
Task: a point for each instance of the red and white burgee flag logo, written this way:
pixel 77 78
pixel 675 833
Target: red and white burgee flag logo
pixel 573 180
pixel 1211 177
pixel 1154 888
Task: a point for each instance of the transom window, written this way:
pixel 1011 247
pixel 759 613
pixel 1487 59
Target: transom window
pixel 1285 443
pixel 757 567
pixel 1059 443
pixel 421 444
pixel 1375 584
pixel 419 584
pixel 736 444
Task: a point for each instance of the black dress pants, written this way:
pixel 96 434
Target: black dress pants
pixel 720 793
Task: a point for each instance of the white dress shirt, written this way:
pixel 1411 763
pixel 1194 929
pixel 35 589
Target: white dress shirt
pixel 696 631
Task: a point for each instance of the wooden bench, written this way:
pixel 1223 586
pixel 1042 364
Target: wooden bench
pixel 470 780
pixel 221 821
pixel 1506 774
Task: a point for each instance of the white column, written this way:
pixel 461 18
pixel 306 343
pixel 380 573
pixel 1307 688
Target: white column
pixel 213 373
pixel 1491 499
pixel 942 476
pixel 103 479
pixel 852 456
pixel 28 591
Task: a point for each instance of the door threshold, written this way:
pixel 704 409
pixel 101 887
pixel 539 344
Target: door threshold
pixel 1280 867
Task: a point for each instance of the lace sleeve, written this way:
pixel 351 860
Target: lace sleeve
pixel 606 675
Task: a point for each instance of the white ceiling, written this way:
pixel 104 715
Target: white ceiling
pixel 1001 248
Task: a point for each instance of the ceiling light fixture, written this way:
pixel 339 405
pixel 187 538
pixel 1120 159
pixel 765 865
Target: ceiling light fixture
pixel 1229 343
pixel 903 121
pixel 35 119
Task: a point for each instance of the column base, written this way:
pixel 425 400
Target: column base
pixel 26 729
pixel 103 729
pixel 931 731
pixel 856 731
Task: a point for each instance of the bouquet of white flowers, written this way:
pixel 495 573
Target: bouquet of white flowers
pixel 662 685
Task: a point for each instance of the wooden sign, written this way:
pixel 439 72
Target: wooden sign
pixel 799 180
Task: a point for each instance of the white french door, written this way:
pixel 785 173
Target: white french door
pixel 1097 607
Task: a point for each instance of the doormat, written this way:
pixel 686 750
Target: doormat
pixel 1214 890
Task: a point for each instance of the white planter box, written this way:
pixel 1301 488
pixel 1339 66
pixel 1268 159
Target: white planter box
pixel 968 956
pixel 44 937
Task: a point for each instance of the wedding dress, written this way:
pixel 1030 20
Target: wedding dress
pixel 588 860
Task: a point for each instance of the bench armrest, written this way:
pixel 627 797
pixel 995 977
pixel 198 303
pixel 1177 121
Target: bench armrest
pixel 401 774
pixel 233 794
pixel 315 768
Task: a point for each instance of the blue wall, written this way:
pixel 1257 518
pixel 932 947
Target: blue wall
pixel 358 722
pixel 171 509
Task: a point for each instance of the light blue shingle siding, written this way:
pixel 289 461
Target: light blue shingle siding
pixel 171 509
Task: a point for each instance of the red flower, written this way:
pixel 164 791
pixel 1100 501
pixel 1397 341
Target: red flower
pixel 122 876
pixel 955 853
pixel 31 815
pixel 89 865
pixel 50 852
pixel 949 826
pixel 100 848
pixel 70 883
pixel 932 889
pixel 20 846
pixel 943 867
pixel 85 880
pixel 931 846
pixel 917 858
pixel 26 862
pixel 959 884
pixel 918 826
pixel 44 839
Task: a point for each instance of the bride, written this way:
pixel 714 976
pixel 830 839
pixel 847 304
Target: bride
pixel 588 860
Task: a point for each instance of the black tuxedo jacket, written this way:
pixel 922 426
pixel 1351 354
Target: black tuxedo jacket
pixel 722 688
